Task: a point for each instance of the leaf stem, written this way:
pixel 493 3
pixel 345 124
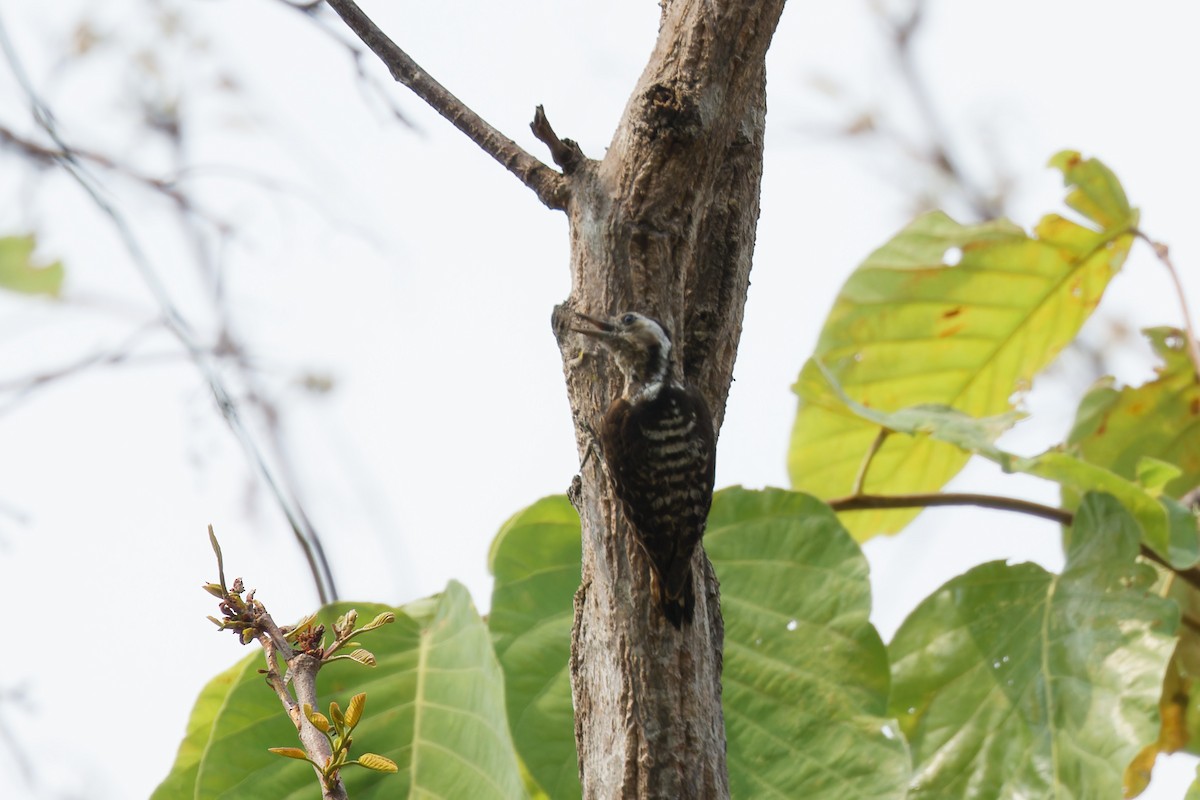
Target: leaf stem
pixel 861 477
pixel 1164 255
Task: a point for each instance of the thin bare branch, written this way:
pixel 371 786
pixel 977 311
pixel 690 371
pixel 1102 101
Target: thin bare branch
pixel 565 152
pixel 548 184
pixel 23 388
pixel 65 157
pixel 379 90
pixel 1164 255
pixel 941 145
pixel 12 741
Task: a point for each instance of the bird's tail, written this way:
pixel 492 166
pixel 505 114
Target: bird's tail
pixel 676 594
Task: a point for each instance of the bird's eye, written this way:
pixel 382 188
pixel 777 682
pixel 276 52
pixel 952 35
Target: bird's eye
pixel 628 319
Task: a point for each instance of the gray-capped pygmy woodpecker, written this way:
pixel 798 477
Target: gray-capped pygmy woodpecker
pixel 658 446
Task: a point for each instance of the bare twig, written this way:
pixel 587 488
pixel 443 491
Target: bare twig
pixel 1164 255
pixel 546 183
pixel 565 152
pixel 22 387
pixel 52 155
pixel 941 147
pixel 11 739
pixel 312 9
pixel 66 158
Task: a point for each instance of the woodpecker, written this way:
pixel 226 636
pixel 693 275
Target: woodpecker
pixel 658 446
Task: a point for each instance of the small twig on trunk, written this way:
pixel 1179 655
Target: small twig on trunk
pixel 565 152
pixel 545 182
pixel 1164 255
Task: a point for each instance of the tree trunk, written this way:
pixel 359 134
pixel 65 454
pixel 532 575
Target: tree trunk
pixel 665 225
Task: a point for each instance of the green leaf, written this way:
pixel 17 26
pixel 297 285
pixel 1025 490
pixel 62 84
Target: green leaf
pixel 1164 526
pixel 1011 681
pixel 1193 792
pixel 1158 422
pixel 181 781
pixel 953 315
pixel 535 559
pixel 437 711
pixel 18 272
pixel 806 674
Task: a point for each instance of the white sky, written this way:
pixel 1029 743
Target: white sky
pixel 420 276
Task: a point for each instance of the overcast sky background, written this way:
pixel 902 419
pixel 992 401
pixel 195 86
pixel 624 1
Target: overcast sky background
pixel 408 268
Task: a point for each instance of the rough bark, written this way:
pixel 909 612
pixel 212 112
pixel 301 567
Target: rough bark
pixel 663 224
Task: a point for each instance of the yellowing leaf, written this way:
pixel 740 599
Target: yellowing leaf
pixel 18 272
pixel 952 315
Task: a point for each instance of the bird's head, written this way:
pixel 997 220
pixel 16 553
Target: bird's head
pixel 640 346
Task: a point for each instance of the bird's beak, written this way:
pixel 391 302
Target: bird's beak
pixel 600 327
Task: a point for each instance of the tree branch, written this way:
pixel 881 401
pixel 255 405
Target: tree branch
pixel 565 152
pixel 546 183
pixel 861 502
pixel 872 501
